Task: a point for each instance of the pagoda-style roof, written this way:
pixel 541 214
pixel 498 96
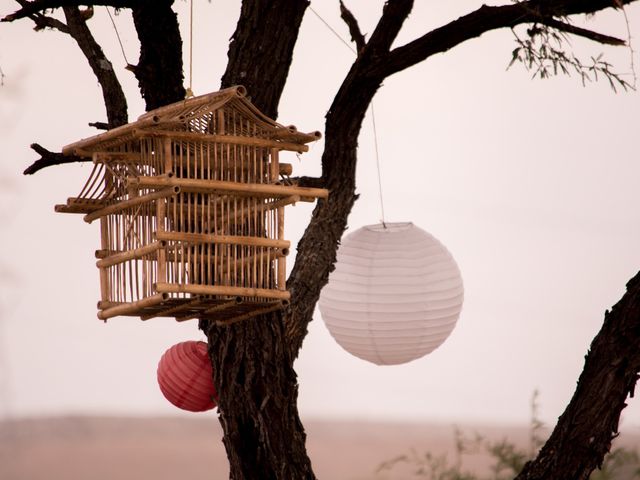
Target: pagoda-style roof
pixel 197 116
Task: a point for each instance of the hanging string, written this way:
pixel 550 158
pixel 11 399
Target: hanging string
pixel 189 92
pixel 375 141
pixel 373 116
pixel 332 30
pixel 124 55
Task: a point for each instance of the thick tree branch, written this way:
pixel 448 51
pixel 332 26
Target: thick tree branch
pixel 159 69
pixel 481 21
pixel 38 6
pixel 112 93
pixel 42 21
pixel 354 28
pixel 584 432
pixel 49 159
pixel 264 80
pixel 318 246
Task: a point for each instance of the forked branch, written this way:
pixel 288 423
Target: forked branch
pixel 354 28
pixel 49 159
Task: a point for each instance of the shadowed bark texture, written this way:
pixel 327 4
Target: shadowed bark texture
pixel 159 69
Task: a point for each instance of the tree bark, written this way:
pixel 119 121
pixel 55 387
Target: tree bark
pixel 253 369
pixel 159 69
pixel 584 432
pixel 258 390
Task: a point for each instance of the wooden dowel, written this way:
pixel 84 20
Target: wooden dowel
pixel 282 260
pixel 222 290
pixel 222 239
pixel 132 202
pixel 223 139
pixel 104 273
pixel 169 312
pixel 80 205
pixel 274 172
pixel 271 308
pixel 168 156
pixel 213 186
pixel 133 308
pixel 130 254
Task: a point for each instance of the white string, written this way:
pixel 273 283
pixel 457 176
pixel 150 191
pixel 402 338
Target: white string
pixel 375 141
pixel 124 55
pixel 189 92
pixel 373 116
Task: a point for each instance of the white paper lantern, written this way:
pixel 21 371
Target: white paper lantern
pixel 395 295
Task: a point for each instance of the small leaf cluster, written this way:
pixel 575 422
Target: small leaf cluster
pixel 543 51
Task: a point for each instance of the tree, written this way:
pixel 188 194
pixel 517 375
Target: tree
pixel 253 360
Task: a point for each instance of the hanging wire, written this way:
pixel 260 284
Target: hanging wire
pixel 332 30
pixel 373 116
pixel 124 55
pixel 375 141
pixel 189 92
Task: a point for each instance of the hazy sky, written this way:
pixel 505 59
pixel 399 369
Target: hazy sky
pixel 531 184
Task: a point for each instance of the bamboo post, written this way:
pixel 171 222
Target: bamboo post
pixel 161 213
pixel 281 260
pixel 274 173
pixel 168 156
pixel 104 271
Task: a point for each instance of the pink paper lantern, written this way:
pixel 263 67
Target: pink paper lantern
pixel 185 377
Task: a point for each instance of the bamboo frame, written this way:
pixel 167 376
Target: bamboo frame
pixel 192 185
pixel 130 254
pixel 168 312
pixel 191 210
pixel 133 307
pixel 221 139
pixel 132 202
pixel 268 309
pixel 198 238
pixel 222 290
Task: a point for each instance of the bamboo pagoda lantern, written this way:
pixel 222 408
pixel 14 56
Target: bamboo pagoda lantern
pixel 191 208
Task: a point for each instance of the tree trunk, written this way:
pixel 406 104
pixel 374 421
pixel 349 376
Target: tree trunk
pixel 258 393
pixel 253 369
pixel 583 434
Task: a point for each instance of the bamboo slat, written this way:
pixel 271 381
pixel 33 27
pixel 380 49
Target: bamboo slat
pixel 245 316
pixel 169 312
pixel 222 139
pixel 196 238
pixel 130 254
pixel 223 306
pixel 212 186
pixel 133 307
pixel 132 202
pixel 198 289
